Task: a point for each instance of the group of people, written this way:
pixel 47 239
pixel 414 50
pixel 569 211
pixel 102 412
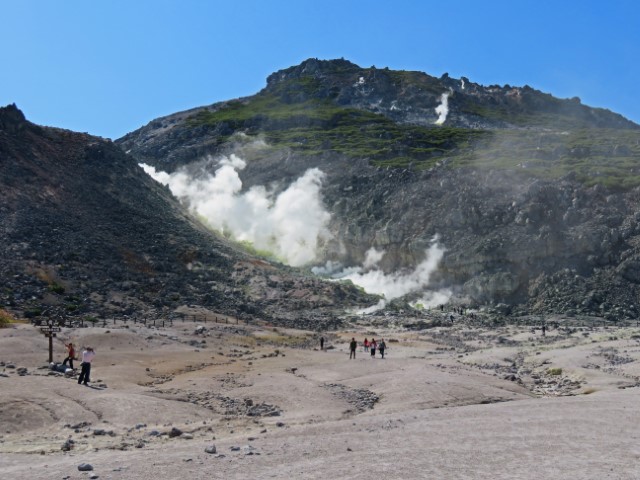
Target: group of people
pixel 88 355
pixel 369 346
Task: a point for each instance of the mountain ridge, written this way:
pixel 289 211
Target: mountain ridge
pixel 539 216
pixel 84 232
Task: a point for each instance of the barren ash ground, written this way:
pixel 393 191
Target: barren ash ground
pixel 236 401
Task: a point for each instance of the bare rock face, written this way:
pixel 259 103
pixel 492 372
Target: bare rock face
pixel 548 233
pixel 84 232
pixel 11 119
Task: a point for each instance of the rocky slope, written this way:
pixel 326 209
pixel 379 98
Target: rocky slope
pixel 534 198
pixel 85 232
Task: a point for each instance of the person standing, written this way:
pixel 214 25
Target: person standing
pixel 366 345
pixel 71 355
pixel 382 347
pixel 85 374
pixel 352 348
pixel 321 343
pixel 372 347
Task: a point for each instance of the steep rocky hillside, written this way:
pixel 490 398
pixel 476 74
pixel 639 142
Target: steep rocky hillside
pixel 85 232
pixel 534 198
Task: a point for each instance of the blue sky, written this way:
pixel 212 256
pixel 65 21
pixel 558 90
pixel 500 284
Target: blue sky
pixel 109 67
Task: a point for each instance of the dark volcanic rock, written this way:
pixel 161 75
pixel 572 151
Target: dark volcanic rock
pixel 85 232
pixel 538 242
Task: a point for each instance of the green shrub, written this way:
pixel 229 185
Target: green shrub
pixel 5 318
pixel 56 288
pixel 554 371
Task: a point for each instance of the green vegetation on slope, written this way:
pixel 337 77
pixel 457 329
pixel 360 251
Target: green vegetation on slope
pixel 312 126
pixel 301 115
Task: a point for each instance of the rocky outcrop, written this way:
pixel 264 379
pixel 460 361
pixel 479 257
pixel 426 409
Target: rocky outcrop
pixel 84 232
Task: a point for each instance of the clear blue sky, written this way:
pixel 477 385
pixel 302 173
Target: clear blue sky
pixel 108 67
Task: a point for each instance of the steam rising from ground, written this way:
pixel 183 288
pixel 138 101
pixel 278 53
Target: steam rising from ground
pixel 396 284
pixel 443 109
pixel 288 224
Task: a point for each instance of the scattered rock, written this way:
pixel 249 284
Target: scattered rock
pixel 210 449
pixel 67 445
pixel 85 467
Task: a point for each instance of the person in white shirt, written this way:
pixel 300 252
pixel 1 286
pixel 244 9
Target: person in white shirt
pixel 87 355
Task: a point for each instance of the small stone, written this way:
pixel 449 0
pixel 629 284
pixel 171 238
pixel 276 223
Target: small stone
pixel 280 424
pixel 175 432
pixel 85 467
pixel 67 446
pixel 210 449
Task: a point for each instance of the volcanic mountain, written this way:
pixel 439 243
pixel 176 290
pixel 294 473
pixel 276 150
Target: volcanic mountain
pixel 85 232
pixel 533 199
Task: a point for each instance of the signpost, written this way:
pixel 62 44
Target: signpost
pixel 49 331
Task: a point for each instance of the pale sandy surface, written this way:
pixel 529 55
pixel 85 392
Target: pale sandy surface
pixel 463 403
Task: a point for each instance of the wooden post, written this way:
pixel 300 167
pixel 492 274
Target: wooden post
pixel 49 332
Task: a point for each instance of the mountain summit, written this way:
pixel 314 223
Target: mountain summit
pixel 532 198
pixel 414 97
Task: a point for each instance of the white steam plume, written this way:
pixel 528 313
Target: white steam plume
pixel 433 299
pixel 289 225
pixel 395 285
pixel 443 109
pixel 372 257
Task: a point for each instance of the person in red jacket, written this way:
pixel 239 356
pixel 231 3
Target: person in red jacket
pixel 71 355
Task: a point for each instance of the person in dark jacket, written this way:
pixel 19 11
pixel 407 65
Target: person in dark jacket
pixel 382 347
pixel 352 348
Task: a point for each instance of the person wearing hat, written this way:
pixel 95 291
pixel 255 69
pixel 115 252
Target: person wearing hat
pixel 87 356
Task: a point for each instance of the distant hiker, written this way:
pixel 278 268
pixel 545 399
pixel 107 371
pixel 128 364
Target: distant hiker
pixel 352 348
pixel 321 343
pixel 441 307
pixel 382 347
pixel 373 346
pixel 451 318
pixel 85 374
pixel 366 345
pixel 544 329
pixel 71 355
